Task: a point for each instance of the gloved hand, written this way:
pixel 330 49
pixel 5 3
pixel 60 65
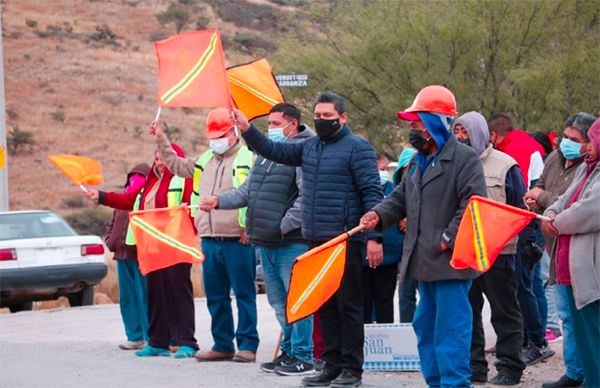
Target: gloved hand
pixel 530 254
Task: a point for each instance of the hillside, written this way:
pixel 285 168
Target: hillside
pixel 80 75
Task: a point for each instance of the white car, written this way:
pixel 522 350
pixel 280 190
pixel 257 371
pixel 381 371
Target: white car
pixel 42 258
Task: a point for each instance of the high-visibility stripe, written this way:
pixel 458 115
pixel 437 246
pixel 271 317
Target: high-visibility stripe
pixel 193 73
pixel 252 90
pixel 148 228
pixel 479 238
pixel 317 279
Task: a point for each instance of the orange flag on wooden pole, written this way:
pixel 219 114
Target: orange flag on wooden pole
pixel 191 71
pixel 485 229
pixel 164 237
pixel 316 276
pixel 79 169
pixel 253 88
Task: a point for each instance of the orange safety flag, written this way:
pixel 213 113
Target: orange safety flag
pixel 253 88
pixel 485 229
pixel 79 169
pixel 316 276
pixel 191 71
pixel 164 237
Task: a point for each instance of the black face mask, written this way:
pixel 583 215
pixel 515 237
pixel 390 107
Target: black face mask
pixel 416 139
pixel 326 128
pixel 466 142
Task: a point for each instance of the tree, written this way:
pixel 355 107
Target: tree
pixel 17 137
pixel 176 14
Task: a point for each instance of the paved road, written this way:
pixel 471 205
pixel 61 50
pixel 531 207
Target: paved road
pixel 78 347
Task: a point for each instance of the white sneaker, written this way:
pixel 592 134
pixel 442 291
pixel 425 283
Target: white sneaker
pixel 132 345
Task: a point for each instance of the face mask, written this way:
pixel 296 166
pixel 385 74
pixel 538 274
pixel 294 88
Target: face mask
pixel 219 146
pixel 570 149
pixel 466 142
pixel 416 139
pixel 276 134
pixel 326 128
pixel 384 175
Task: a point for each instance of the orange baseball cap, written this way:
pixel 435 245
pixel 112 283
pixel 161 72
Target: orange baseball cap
pixel 218 123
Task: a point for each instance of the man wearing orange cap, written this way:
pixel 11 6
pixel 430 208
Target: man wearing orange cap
pixel 230 262
pixel 433 195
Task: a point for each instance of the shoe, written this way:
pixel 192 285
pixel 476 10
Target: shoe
pixel 479 378
pixel 505 379
pixel 564 381
pixel 132 345
pixel 553 335
pixel 151 351
pixel 213 355
pixel 185 352
pixel 534 354
pixel 244 356
pixel 320 379
pixel 347 379
pixel 269 367
pixel 319 365
pixel 295 368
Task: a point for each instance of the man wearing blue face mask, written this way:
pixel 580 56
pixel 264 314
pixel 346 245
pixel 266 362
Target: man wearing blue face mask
pixel 273 193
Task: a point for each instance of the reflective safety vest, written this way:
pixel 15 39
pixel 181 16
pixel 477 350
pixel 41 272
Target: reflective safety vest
pixel 240 171
pixel 174 196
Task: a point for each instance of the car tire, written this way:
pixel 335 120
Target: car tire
pixel 15 308
pixel 85 297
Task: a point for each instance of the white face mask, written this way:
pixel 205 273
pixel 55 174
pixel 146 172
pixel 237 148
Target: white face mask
pixel 219 146
pixel 384 176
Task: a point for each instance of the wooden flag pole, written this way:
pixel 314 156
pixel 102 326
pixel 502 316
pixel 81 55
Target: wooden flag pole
pixel 157 114
pixel 278 344
pixel 82 187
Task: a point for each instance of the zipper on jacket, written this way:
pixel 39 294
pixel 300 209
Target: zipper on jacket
pixel 210 225
pixel 320 146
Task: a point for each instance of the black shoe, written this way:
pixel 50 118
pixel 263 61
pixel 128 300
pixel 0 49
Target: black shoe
pixel 479 378
pixel 320 379
pixel 282 360
pixel 295 367
pixel 319 365
pixel 505 379
pixel 564 381
pixel 534 353
pixel 347 379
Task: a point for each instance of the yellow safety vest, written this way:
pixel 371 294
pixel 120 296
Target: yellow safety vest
pixel 241 170
pixel 174 196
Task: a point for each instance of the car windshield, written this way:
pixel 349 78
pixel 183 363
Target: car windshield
pixel 15 226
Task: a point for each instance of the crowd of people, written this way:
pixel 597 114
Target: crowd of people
pixel 277 196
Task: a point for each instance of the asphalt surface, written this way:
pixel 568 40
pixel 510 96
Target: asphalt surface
pixel 77 347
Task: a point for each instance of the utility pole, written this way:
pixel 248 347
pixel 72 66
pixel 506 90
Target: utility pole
pixel 3 150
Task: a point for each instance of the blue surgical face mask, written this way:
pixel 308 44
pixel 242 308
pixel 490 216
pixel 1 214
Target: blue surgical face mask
pixel 570 149
pixel 276 134
pixel 384 175
pixel 219 146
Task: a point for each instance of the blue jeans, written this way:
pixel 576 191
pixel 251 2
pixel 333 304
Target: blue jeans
pixel 277 265
pixel 570 356
pixel 407 298
pixel 532 322
pixel 443 324
pixel 552 321
pixel 230 265
pixel 133 300
pixel 540 295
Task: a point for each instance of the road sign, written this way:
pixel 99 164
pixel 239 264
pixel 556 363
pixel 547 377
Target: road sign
pixel 292 80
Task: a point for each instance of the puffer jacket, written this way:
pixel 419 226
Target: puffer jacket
pixel 340 180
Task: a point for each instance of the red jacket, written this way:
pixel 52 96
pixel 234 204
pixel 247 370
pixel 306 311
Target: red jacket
pixel 126 201
pixel 522 147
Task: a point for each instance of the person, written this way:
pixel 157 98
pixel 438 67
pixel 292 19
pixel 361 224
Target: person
pixel 229 262
pixel 560 168
pixel 407 288
pixel 433 196
pixel 528 155
pixel 499 284
pixel 133 295
pixel 575 221
pixel 170 291
pixel 379 284
pixel 273 193
pixel 340 182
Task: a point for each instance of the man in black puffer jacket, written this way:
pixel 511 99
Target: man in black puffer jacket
pixel 340 183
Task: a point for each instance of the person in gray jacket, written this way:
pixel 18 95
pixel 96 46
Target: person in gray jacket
pixel 575 220
pixel 433 195
pixel 272 194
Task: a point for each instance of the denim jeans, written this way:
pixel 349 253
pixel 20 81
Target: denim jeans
pixel 533 329
pixel 277 265
pixel 540 295
pixel 230 265
pixel 552 320
pixel 407 296
pixel 133 300
pixel 570 356
pixel 443 324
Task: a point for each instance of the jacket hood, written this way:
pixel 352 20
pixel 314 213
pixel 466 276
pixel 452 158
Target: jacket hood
pixel 436 127
pixel 477 128
pixel 403 161
pixel 520 136
pixel 139 169
pixel 594 136
pixel 304 132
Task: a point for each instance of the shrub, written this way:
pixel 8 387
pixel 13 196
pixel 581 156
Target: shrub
pixel 75 202
pixel 58 116
pixel 202 23
pixel 172 132
pixel 176 14
pixel 90 221
pixel 17 137
pixel 31 22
